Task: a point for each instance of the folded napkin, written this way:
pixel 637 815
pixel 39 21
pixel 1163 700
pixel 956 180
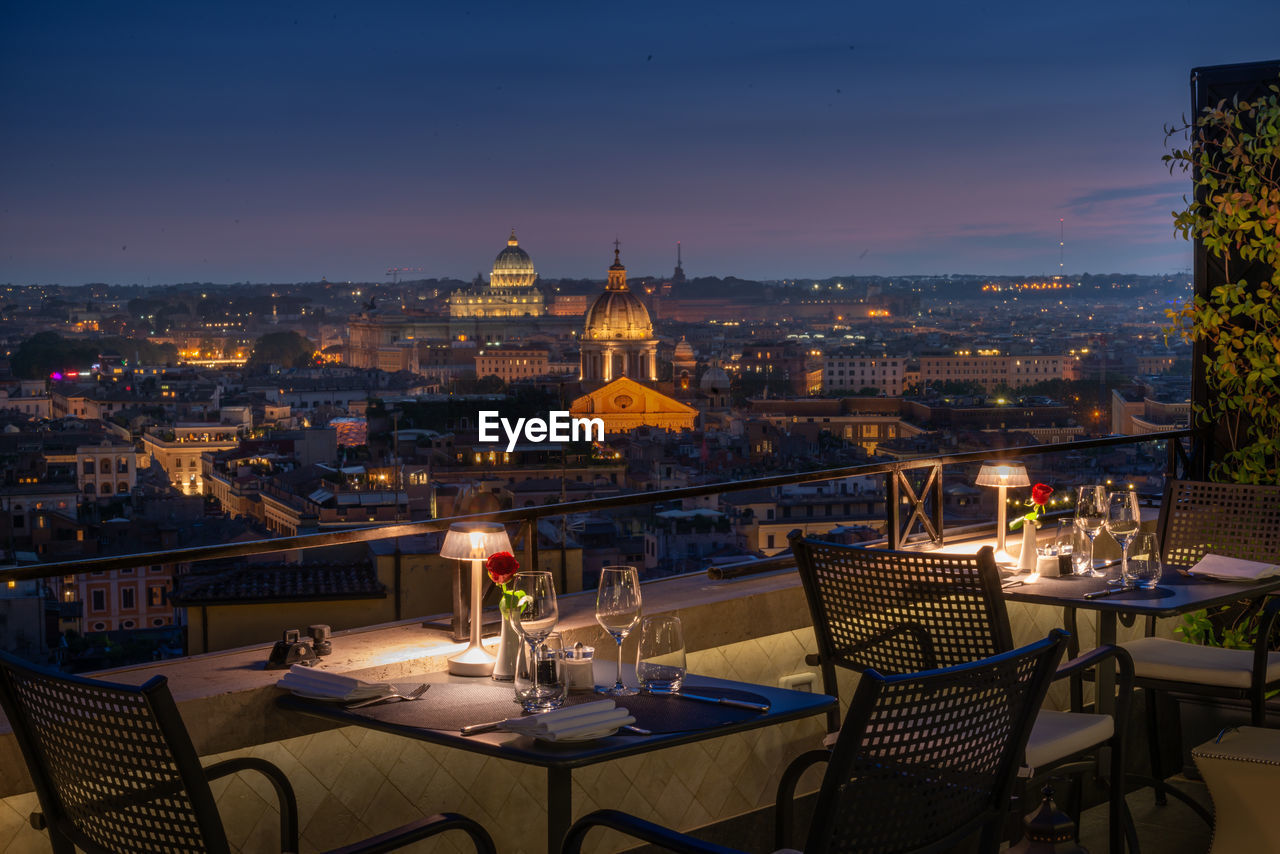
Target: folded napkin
pixel 334 686
pixel 1225 568
pixel 572 723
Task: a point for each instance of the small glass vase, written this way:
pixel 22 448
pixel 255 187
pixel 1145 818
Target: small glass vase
pixel 504 668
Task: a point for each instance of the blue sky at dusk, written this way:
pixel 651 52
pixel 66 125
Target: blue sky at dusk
pixel 283 142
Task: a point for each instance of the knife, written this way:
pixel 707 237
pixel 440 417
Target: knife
pixel 1098 594
pixel 723 701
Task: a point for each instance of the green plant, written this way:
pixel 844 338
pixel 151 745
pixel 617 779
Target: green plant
pixel 1234 156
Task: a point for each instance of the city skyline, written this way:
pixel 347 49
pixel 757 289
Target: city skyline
pixel 297 142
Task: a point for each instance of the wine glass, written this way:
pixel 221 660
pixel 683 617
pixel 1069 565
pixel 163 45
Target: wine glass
pixel 618 611
pixel 1122 523
pixel 537 612
pixel 1091 516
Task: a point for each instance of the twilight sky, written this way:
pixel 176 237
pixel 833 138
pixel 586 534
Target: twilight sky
pixel 285 141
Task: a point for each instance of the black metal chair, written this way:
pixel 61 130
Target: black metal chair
pixel 1198 518
pixel 900 612
pixel 116 772
pixel 923 761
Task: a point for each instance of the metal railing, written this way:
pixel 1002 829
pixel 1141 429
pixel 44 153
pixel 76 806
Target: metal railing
pixel 901 495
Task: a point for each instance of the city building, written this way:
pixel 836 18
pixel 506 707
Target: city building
pixel 510 291
pixel 849 373
pixel 991 369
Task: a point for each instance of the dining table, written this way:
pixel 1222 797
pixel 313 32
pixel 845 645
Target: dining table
pixel 1177 593
pixel 454 702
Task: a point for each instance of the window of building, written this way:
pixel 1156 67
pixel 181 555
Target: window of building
pixel 127 596
pixel 769 540
pixel 88 467
pixel 98 600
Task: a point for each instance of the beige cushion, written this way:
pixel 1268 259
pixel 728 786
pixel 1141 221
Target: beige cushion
pixel 1058 735
pixel 1175 661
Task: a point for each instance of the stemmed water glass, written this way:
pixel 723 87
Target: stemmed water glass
pixel 1122 523
pixel 618 612
pixel 537 613
pixel 1091 517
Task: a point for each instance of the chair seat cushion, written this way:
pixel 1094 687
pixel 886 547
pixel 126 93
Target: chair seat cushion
pixel 1176 661
pixel 1058 735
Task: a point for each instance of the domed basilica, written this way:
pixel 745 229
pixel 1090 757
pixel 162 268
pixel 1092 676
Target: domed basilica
pixel 619 363
pixel 510 291
pixel 617 340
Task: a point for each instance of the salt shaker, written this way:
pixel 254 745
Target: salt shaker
pixel 578 668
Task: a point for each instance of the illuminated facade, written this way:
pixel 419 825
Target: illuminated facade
pixel 510 292
pixel 993 369
pixel 617 340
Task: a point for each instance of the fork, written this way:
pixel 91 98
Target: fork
pixel 412 695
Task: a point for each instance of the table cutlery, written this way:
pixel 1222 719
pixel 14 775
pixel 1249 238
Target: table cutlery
pixel 723 701
pixel 1098 594
pixel 412 695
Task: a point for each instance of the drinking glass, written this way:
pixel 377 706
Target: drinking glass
pixel 537 613
pixel 660 664
pixel 1144 561
pixel 542 687
pixel 1091 516
pixel 1122 523
pixel 618 612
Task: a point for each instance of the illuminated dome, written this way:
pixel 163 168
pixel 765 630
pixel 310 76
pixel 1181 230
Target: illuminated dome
pixel 617 314
pixel 683 352
pixel 617 340
pixel 513 268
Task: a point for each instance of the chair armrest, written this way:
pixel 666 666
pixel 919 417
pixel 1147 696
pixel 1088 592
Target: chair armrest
pixel 416 831
pixel 284 792
pixel 654 834
pixel 1266 625
pixel 784 801
pixel 1093 658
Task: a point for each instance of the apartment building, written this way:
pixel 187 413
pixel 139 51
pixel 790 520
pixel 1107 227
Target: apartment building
pixel 844 372
pixel 991 370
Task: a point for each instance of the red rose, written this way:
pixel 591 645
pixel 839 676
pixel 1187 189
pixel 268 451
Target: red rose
pixel 502 566
pixel 1040 493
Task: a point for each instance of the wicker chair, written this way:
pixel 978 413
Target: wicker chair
pixel 1196 518
pixel 116 772
pixel 899 612
pixel 924 760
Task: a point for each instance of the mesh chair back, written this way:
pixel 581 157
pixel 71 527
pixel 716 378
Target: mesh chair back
pixel 113 765
pixel 1233 519
pixel 902 612
pixel 925 759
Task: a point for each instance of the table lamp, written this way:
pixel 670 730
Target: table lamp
pixel 474 541
pixel 1002 474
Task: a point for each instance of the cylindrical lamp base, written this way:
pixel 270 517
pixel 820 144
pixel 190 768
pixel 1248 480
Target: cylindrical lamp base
pixel 473 661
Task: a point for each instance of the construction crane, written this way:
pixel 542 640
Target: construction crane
pixel 394 272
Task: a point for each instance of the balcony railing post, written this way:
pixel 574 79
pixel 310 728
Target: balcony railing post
pixel 893 506
pixel 939 533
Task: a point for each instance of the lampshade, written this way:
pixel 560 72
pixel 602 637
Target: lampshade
pixel 475 540
pixel 1003 473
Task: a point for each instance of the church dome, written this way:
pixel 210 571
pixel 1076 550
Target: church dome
pixel 618 315
pixel 715 379
pixel 683 352
pixel 513 268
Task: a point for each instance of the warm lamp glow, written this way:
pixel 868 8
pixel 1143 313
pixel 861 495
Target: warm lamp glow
pixel 475 540
pixel 1003 473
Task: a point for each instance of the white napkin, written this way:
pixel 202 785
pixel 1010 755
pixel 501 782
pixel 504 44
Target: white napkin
pixel 1225 568
pixel 321 683
pixel 572 723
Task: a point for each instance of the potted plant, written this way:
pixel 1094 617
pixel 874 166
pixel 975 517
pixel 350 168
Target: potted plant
pixel 1233 156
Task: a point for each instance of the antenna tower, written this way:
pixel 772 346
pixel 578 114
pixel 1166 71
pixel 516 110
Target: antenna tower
pixel 1061 244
